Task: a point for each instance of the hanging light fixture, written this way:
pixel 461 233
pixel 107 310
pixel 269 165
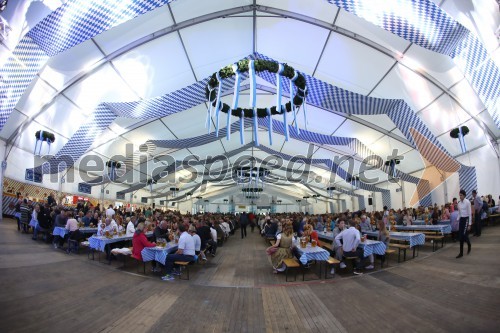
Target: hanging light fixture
pixel 175 191
pixel 330 190
pixel 150 183
pixel 354 181
pixel 316 196
pixel 111 167
pixel 392 167
pixel 252 181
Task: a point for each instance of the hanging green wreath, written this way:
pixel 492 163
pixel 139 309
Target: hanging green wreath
pixel 456 131
pixel 252 190
pixel 387 163
pixel 112 163
pixel 260 65
pixel 45 136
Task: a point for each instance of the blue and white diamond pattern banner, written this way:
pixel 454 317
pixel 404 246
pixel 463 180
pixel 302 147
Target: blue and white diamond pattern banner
pixel 422 22
pixel 80 20
pixel 17 74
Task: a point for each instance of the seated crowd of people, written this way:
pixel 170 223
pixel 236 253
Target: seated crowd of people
pixel 347 228
pixel 208 228
pixel 205 229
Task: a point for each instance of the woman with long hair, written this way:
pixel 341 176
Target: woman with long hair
pixel 282 248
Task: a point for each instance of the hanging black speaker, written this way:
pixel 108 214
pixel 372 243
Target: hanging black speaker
pixel 370 201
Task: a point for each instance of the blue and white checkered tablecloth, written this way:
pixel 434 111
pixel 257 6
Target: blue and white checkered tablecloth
pixel 99 242
pixel 158 254
pixel 312 253
pixel 413 238
pixel 60 231
pixel 422 222
pixel 444 229
pixel 370 247
pixel 87 230
pixel 326 235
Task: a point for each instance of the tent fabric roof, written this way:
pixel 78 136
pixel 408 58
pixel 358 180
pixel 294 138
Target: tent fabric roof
pixel 103 74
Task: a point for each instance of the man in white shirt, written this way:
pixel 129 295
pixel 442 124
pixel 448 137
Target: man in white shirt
pixel 350 240
pixel 196 238
pixel 130 227
pixel 464 216
pixel 225 227
pixel 212 244
pixel 185 252
pixel 110 212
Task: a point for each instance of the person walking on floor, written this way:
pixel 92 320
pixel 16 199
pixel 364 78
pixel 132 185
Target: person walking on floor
pixel 243 224
pixel 478 206
pixel 464 216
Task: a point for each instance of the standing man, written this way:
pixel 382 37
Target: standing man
pixel 243 224
pixel 478 205
pixel 464 216
pixel 50 200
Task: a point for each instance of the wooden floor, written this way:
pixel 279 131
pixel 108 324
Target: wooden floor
pixel 47 290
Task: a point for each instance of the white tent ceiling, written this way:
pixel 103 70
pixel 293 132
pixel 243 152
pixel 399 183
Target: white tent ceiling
pixel 181 43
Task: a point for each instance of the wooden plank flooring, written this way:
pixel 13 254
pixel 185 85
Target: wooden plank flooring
pixel 47 290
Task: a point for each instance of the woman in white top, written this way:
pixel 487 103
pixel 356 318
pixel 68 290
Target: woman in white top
pixel 130 227
pixel 407 219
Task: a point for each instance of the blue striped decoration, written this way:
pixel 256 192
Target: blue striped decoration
pixel 361 202
pixel 351 103
pixel 386 198
pixel 426 201
pixel 467 179
pixel 17 74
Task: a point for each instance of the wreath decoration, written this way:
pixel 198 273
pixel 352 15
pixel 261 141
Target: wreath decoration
pixel 251 190
pixel 387 163
pixel 454 133
pixel 113 164
pixel 459 133
pixel 43 136
pixel 298 89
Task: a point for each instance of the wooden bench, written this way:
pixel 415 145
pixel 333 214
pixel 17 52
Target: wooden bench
pixel 384 257
pixel 269 239
pixel 352 260
pixel 290 263
pixel 139 261
pixel 330 262
pixel 185 265
pixel 73 246
pixel 434 241
pixel 493 218
pixel 400 247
